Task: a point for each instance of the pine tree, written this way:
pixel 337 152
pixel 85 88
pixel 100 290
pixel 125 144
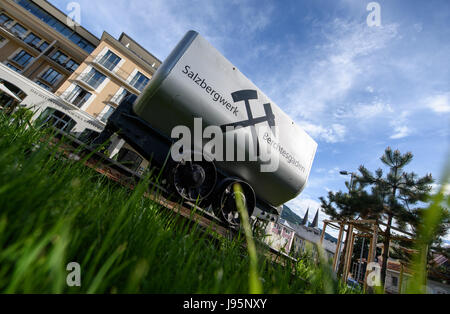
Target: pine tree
pixel 398 191
pixel 404 252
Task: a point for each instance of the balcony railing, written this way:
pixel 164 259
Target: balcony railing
pixel 103 61
pixel 72 99
pixel 33 45
pixel 90 79
pixel 20 36
pixel 63 64
pixel 139 86
pixel 116 99
pixel 11 31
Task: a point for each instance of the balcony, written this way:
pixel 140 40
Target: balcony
pixel 90 80
pixel 107 63
pixel 21 37
pixel 11 32
pixel 61 66
pixel 110 69
pixel 64 64
pixel 140 86
pixel 33 46
pixel 73 99
pixel 115 99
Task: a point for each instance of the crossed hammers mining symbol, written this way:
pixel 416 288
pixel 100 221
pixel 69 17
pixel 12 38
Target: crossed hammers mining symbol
pixel 246 95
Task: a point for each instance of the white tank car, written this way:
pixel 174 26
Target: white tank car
pixel 197 81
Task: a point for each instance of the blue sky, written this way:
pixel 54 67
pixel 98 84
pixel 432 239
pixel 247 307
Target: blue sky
pixel 355 89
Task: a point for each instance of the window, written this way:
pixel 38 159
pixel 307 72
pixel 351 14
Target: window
pixel 43 46
pixel 78 96
pixel 23 58
pixel 9 65
pixel 118 98
pixel 57 25
pixel 109 60
pixel 4 19
pixel 57 119
pixel 139 81
pixel 71 65
pixel 94 78
pixel 2 39
pixel 59 57
pixel 32 40
pixel 43 85
pixel 106 113
pixel 394 281
pixel 276 229
pixel 80 42
pixel 51 76
pixel 75 37
pixel 18 30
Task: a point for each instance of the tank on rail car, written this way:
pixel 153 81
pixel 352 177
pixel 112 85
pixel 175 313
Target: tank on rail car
pixel 196 87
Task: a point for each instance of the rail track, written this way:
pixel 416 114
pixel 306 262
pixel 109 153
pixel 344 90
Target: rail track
pixel 74 149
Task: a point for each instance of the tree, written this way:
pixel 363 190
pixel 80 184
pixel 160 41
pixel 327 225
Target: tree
pixel 397 191
pixel 404 252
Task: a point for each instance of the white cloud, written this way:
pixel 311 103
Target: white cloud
pixel 418 27
pixel 400 132
pixel 361 112
pixel 372 110
pixel 399 123
pixel 439 103
pixel 435 188
pixel 319 80
pixel 333 134
pixel 301 204
pixel 333 171
pixel 159 24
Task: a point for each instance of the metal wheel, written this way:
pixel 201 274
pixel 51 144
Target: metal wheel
pixel 194 180
pixel 229 198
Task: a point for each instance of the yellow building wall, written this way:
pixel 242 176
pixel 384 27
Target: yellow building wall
pixel 127 68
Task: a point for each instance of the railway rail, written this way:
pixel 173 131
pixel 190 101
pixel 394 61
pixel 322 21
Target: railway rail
pixel 74 149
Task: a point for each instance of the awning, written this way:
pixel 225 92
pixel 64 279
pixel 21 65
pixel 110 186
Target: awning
pixel 7 91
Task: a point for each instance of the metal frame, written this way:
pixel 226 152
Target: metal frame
pixel 367 228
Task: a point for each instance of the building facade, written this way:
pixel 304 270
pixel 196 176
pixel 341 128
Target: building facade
pixel 398 276
pixel 112 72
pixel 293 239
pixel 37 42
pixel 47 105
pixel 279 236
pixel 65 73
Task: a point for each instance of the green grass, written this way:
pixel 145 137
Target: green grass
pixel 54 211
pixel 434 217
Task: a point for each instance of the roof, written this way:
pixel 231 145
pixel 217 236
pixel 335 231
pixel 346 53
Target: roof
pixel 62 17
pixel 138 49
pixel 145 62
